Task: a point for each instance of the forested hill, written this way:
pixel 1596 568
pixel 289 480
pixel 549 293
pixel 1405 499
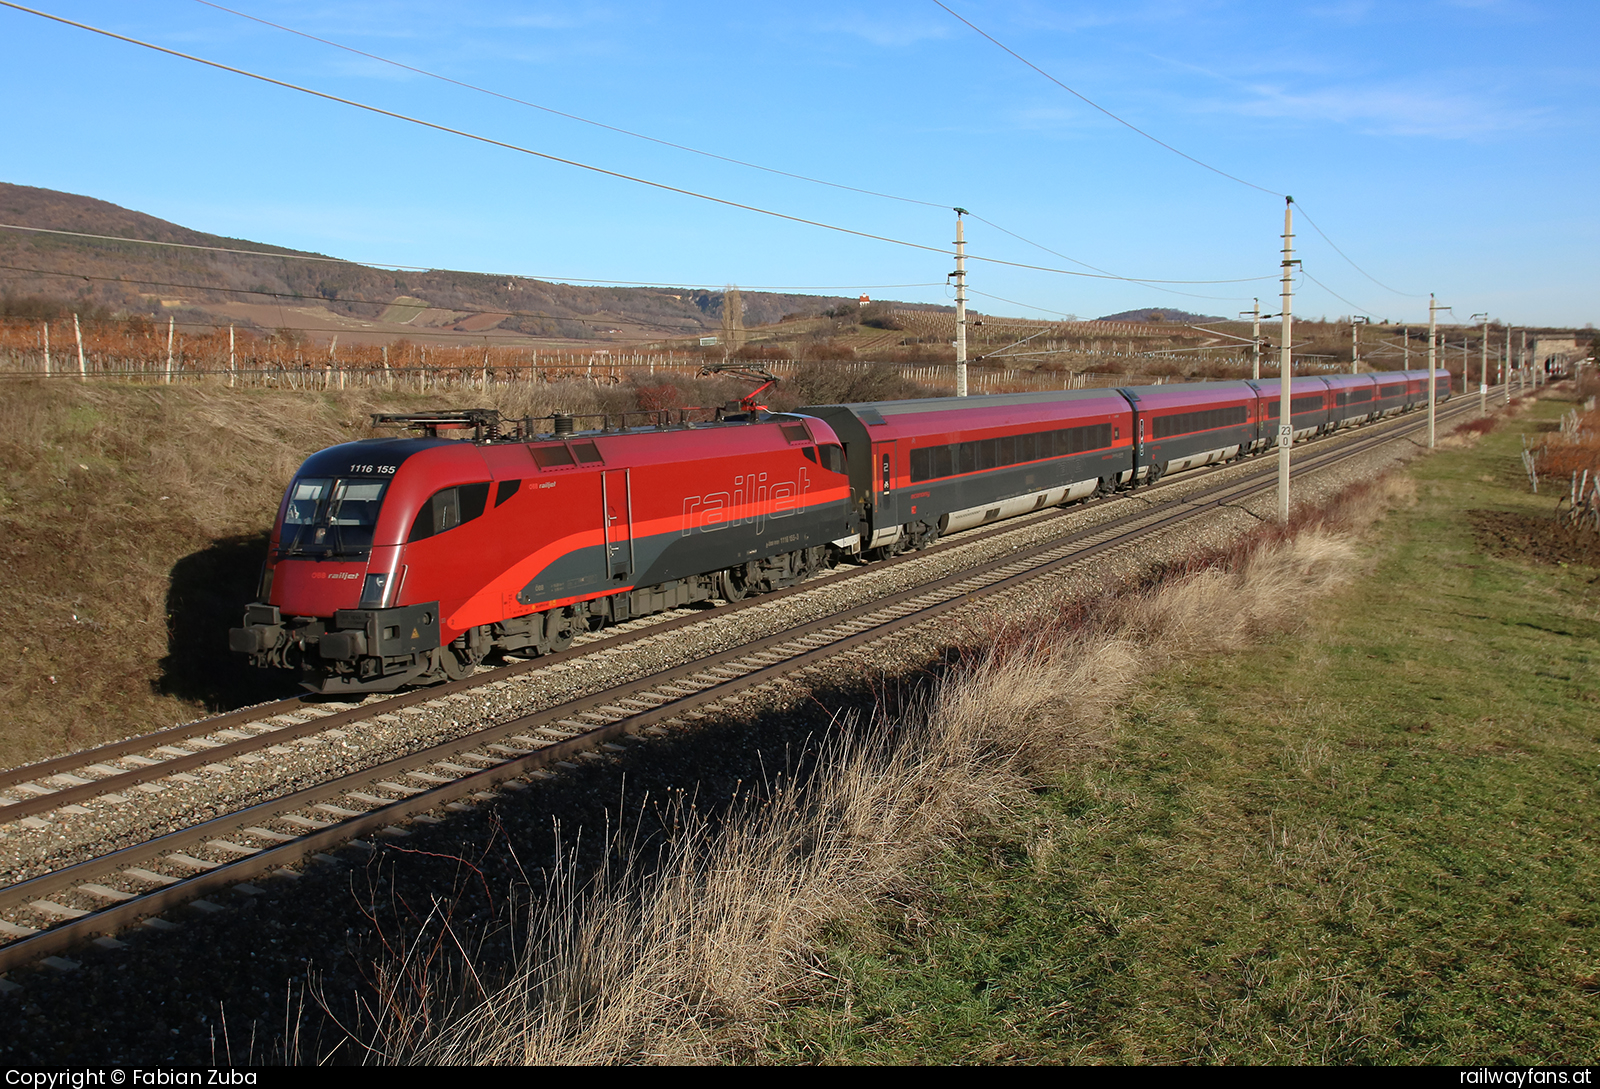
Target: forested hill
pixel 130 278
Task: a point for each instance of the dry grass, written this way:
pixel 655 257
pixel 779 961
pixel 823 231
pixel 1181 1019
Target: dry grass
pixel 686 953
pixel 133 523
pixel 1574 448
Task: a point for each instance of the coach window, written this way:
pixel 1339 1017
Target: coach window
pixel 449 508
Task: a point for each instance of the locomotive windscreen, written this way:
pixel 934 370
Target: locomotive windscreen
pixel 331 516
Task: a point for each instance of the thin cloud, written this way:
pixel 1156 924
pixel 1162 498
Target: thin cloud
pixel 888 33
pixel 1348 12
pixel 1411 108
pixel 1394 110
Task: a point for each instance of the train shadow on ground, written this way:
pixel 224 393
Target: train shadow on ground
pixel 206 596
pixel 294 965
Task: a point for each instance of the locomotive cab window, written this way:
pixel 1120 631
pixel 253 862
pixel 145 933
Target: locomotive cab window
pixel 448 509
pixel 331 516
pixel 832 457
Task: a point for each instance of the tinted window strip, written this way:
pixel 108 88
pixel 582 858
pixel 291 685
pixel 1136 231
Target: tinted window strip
pixel 1184 423
pixel 933 462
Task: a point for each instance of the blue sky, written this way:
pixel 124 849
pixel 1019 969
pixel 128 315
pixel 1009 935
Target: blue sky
pixel 1445 146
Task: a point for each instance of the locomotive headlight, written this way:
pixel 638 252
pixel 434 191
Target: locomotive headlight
pixel 373 590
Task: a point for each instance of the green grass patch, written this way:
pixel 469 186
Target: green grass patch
pixel 1373 840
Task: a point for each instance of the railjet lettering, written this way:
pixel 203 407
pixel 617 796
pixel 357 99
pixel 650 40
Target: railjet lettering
pixel 750 502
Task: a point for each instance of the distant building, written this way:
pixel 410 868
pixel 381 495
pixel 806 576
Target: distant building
pixel 1556 354
pixel 863 301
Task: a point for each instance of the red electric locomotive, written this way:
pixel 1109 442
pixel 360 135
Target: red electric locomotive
pixel 397 561
pixel 403 560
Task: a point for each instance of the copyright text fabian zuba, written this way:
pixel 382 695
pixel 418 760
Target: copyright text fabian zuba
pixel 82 1079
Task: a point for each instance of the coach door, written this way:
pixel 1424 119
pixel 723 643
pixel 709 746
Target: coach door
pixel 616 503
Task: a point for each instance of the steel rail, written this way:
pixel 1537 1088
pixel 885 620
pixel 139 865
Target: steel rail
pixel 294 705
pixel 260 713
pixel 53 798
pixel 898 611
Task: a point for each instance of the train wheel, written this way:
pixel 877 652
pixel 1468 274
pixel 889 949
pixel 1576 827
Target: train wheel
pixel 559 627
pixel 734 582
pixel 453 664
pixel 461 657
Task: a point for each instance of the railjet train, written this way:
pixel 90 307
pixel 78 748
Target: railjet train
pixel 398 561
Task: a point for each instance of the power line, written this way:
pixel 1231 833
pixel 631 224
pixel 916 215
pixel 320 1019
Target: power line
pixel 294 295
pixel 454 309
pixel 571 116
pixel 1358 268
pixel 468 135
pixel 583 279
pixel 644 136
pixel 638 135
pixel 586 166
pixel 1102 109
pixel 1029 306
pixel 1358 308
pixel 1156 284
pixel 218 327
pixel 1036 245
pixel 213 249
pixel 1170 148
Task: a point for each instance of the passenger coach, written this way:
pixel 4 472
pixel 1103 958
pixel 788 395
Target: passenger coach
pixel 395 561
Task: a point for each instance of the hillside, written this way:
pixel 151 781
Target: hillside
pixel 1161 314
pixel 322 298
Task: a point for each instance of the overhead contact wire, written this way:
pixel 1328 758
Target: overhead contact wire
pixel 569 116
pixel 1358 268
pixel 1156 140
pixel 1358 308
pixel 453 309
pixel 491 141
pixel 629 132
pixel 469 135
pixel 1090 102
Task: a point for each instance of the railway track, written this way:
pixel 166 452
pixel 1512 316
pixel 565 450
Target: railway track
pixel 48 914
